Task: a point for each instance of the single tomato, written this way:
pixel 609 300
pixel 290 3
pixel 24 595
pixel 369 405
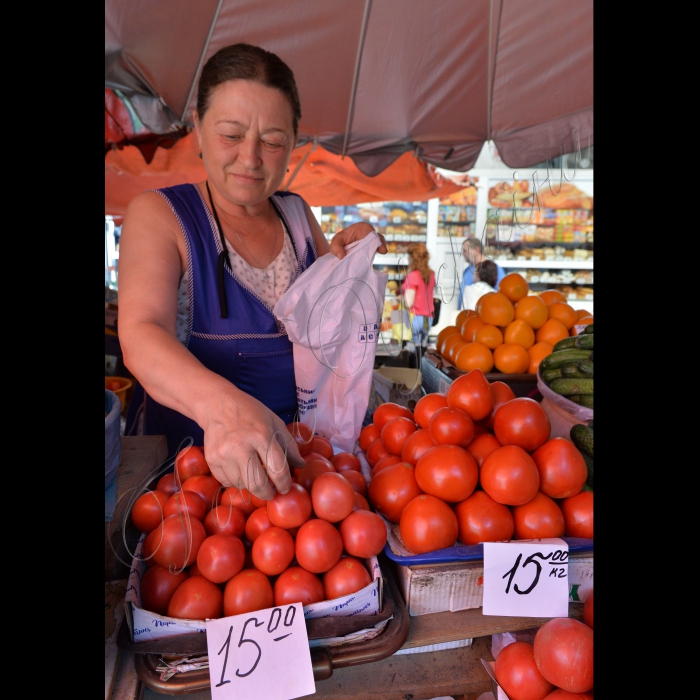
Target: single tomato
pixel 428 523
pixel 147 511
pixel 509 475
pixel 348 576
pixel 518 675
pixel 273 551
pixel 447 472
pixel 322 446
pixel 426 406
pixel 224 520
pixel 386 411
pixel 391 490
pixel 360 502
pixel 332 497
pixel 247 591
pixel 522 422
pixel 207 487
pixel 363 533
pixel 357 481
pixel 297 585
pixel 376 451
pixel 561 466
pixel 481 519
pixel 564 654
pixel 185 502
pixel 220 557
pixel 578 515
pixel 290 509
pixel 560 694
pixel 313 469
pixel 258 521
pixel 303 436
pixel 240 498
pixel 395 433
pixel 318 546
pixel 541 517
pixel 190 462
pixel 344 461
pixel 416 446
pixel 157 588
pixel 500 392
pixel 368 435
pixel 471 393
pixel 482 446
pixel 167 484
pixel 180 537
pixel 451 426
pixel 196 598
pixel 386 462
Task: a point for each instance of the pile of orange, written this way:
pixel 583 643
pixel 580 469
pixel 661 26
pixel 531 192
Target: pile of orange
pixel 511 331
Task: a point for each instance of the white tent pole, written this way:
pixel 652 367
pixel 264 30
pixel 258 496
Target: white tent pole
pixel 358 60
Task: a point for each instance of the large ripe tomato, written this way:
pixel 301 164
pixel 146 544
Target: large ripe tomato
pixel 560 694
pixel 185 501
pixel 416 445
pixel 392 489
pixel 386 411
pixel 220 557
pixel 314 468
pixel 167 484
pixel 368 435
pixel 248 591
pixel 482 446
pixel 150 544
pixel 426 406
pixel 240 498
pixel 540 517
pixel 190 462
pixel 357 481
pixel 451 426
pixel 364 534
pixel 386 462
pixel 273 551
pixel 395 433
pixel 344 461
pixel 197 598
pixel 224 520
pixel 318 546
pixel 481 519
pixel 303 436
pixel 147 511
pixel 180 537
pixel 578 515
pixel 207 487
pixel 360 502
pixel 346 577
pixel 471 393
pixel 428 523
pixel 157 588
pixel 564 654
pixel 500 392
pixel 562 468
pixel 509 475
pixel 322 446
pixel 518 675
pixel 290 509
pixel 447 472
pixel 297 585
pixel 522 422
pixel 376 451
pixel 258 521
pixel 332 497
pixel 588 611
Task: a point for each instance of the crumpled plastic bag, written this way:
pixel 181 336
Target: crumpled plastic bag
pixel 563 414
pixel 332 314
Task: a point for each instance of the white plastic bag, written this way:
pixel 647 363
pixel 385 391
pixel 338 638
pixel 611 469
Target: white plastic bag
pixel 332 313
pixel 563 414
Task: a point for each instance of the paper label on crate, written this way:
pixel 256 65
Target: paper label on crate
pixel 262 654
pixel 527 578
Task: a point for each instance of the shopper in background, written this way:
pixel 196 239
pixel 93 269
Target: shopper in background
pixel 418 292
pixel 485 281
pixel 473 252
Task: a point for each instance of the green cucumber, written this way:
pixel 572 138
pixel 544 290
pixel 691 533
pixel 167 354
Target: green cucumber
pixel 586 400
pixel 582 437
pixel 575 398
pixel 585 367
pixel 566 343
pixel 583 342
pixel 588 329
pixel 569 387
pixel 589 466
pixel 572 371
pixel 550 374
pixel 563 357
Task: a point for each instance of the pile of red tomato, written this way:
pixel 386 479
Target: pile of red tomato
pixel 475 464
pixel 213 551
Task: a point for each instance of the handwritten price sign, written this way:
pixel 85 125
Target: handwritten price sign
pixel 526 578
pixel 264 654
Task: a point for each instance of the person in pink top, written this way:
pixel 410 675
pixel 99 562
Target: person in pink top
pixel 418 292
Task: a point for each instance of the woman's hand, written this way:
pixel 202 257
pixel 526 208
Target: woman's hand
pixel 354 232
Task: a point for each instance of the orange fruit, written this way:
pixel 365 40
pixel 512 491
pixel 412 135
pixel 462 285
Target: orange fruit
pixel 580 313
pixel 496 309
pixel 532 310
pixel 537 353
pixel 563 312
pixel 511 358
pixel 581 323
pixel 454 349
pixel 463 315
pixel 469 328
pixel 514 286
pixel 520 332
pixel 474 356
pixel 551 296
pixel 490 336
pixel 447 330
pixel 448 343
pixel 551 332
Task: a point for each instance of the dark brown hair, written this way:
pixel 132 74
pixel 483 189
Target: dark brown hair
pixel 246 62
pixel 488 272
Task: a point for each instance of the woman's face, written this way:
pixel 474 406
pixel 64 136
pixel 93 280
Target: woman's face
pixel 246 139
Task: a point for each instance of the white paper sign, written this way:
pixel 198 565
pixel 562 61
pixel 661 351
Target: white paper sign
pixel 526 578
pixel 262 654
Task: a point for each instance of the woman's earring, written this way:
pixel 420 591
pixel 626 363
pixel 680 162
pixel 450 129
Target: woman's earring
pixel 199 155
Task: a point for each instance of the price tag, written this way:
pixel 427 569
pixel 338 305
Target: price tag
pixel 526 578
pixel 263 654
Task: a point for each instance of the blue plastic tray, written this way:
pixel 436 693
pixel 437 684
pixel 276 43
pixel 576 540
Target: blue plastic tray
pixel 472 552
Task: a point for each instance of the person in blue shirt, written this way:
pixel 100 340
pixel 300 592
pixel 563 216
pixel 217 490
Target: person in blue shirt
pixel 473 253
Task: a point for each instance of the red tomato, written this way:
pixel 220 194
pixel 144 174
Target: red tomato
pixel 180 538
pixel 225 520
pixel 190 462
pixel 197 598
pixel 360 502
pixel 157 588
pixel 290 509
pixel 303 436
pixel 426 406
pixel 150 544
pixel 273 551
pixel 386 411
pixel 564 654
pixel 482 446
pixel 522 422
pixel 471 393
pixel 392 489
pixel 588 611
pixel 322 446
pixel 517 673
pixel 297 585
pixel 248 591
pixel 344 461
pixel 220 557
pixel 364 534
pixel 368 435
pixel 540 517
pixel 386 462
pixel 560 694
pixel 258 521
pixel 447 472
pixel 240 498
pixel 416 446
pixel 562 468
pixel 318 546
pixel 578 515
pixel 376 451
pixel 332 497
pixel 500 392
pixel 346 577
pixel 313 469
pixel 357 481
pixel 167 484
pixel 395 433
pixel 147 511
pixel 481 519
pixel 207 487
pixel 509 475
pixel 427 524
pixel 450 426
pixel 186 502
